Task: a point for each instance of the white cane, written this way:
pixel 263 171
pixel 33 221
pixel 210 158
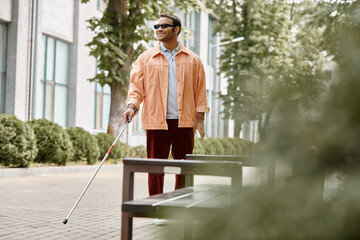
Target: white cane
pixel 97 170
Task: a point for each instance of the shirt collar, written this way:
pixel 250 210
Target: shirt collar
pixel 156 50
pixel 163 48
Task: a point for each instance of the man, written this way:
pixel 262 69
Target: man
pixel 170 81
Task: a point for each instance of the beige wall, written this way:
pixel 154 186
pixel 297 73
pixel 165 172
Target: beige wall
pixel 85 96
pixel 5 10
pixel 57 18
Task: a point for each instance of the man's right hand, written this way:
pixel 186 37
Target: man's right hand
pixel 128 114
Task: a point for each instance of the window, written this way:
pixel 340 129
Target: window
pixel 211 42
pixel 3 37
pixel 54 80
pixel 102 106
pixel 194 28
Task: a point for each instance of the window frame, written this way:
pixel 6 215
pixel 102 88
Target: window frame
pixel 101 94
pixel 211 59
pixel 3 68
pixel 194 22
pixel 46 82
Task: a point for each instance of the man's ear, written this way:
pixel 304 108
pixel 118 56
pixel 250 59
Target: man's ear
pixel 177 30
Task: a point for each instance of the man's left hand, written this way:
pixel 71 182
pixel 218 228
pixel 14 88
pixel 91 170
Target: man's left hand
pixel 199 125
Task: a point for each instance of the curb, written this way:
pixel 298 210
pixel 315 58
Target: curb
pixel 47 171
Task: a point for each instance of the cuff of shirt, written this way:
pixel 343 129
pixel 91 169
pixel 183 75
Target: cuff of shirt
pixel 203 109
pixel 132 101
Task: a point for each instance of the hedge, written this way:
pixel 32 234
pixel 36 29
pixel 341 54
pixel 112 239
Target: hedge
pixel 105 141
pixel 44 141
pixel 53 142
pixel 223 146
pixel 140 151
pixel 17 142
pixel 85 145
pixel 199 148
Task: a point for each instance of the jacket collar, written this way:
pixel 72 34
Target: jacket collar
pixel 156 50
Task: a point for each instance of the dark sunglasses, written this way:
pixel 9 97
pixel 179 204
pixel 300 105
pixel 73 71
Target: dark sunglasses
pixel 163 26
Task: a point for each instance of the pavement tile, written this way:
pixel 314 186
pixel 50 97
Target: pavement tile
pixel 34 207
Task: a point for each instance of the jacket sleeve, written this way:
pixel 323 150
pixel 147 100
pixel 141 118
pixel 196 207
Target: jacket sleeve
pixel 136 92
pixel 200 91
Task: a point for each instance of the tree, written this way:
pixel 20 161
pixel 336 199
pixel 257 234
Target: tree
pixel 121 35
pixel 275 63
pixel 331 146
pixel 339 136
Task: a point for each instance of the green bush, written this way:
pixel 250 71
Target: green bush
pixel 199 147
pixel 120 149
pixel 17 142
pixel 128 151
pixel 229 147
pixel 246 146
pixel 223 146
pixel 85 145
pixel 213 146
pixel 237 146
pixel 208 147
pixel 219 149
pixel 105 141
pixel 140 151
pixel 53 142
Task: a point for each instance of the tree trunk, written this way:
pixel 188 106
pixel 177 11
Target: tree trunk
pixel 117 6
pixel 118 90
pixel 237 128
pixel 262 131
pixel 117 108
pixel 263 125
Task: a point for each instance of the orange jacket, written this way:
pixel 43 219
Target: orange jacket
pixel 149 83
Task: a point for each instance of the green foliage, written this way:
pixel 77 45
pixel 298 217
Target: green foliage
pixel 238 145
pixel 246 146
pixel 105 141
pixel 339 19
pixel 317 149
pixel 120 149
pixel 85 145
pixel 140 151
pixel 269 212
pixel 121 35
pixel 53 142
pixel 222 146
pixel 338 134
pixel 228 146
pixel 199 147
pixel 208 148
pixel 278 60
pixel 17 142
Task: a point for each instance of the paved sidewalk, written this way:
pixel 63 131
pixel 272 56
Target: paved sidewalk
pixel 34 207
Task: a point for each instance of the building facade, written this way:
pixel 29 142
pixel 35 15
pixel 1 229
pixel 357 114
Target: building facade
pixel 45 64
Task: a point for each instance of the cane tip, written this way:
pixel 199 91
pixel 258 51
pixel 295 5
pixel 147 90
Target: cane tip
pixel 65 221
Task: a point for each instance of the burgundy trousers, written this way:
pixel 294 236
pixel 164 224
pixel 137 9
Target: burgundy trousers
pixel 158 146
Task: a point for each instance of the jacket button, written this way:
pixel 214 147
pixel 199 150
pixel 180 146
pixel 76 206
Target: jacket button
pixel 178 79
pixel 178 65
pixel 179 109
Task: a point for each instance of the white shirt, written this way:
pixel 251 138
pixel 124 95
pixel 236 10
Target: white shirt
pixel 172 106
